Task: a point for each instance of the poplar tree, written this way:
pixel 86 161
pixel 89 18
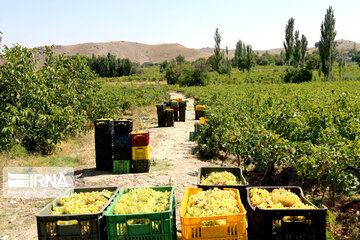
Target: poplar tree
pixel 327 45
pixel 217 50
pixel 289 41
pixel 297 48
pixel 304 44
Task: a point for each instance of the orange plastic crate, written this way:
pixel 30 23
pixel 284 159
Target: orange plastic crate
pixel 200 108
pixel 192 228
pixel 202 120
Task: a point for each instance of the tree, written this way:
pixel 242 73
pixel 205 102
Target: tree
pixel 304 43
pixel 238 52
pixel 313 62
pixel 297 49
pixel 173 73
pixel 217 51
pixel 249 58
pixel 341 65
pixel 163 66
pixel 327 45
pixel 289 41
pixel 180 58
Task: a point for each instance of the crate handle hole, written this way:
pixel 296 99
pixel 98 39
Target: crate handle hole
pixel 138 221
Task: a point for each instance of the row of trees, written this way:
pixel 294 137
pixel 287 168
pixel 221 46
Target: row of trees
pixel 110 66
pixel 41 105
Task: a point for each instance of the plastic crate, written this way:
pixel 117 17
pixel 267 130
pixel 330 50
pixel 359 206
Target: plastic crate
pixel 123 126
pixel 199 114
pixel 200 108
pixel 121 166
pixel 88 226
pixel 161 225
pixel 177 99
pixel 205 171
pixel 161 115
pixel 169 117
pixel 104 160
pixel 103 125
pixel 269 223
pixel 122 153
pixel 122 140
pixel 193 136
pixel 141 153
pixel 202 120
pixel 140 138
pixel 140 166
pixel 192 228
pixel 182 111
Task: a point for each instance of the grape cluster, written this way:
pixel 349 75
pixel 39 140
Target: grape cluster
pixel 81 203
pixel 220 178
pixel 278 199
pixel 143 200
pixel 213 202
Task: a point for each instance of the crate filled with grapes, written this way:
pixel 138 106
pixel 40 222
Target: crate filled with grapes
pixel 77 214
pixel 223 177
pixel 283 213
pixel 212 214
pixel 142 213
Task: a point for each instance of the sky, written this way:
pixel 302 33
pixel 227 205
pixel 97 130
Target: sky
pixel 192 23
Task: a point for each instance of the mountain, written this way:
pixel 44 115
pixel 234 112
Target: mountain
pixel 136 52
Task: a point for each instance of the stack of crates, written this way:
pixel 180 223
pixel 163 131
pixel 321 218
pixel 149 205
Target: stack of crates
pixel 140 151
pixel 122 145
pixel 199 111
pixel 103 144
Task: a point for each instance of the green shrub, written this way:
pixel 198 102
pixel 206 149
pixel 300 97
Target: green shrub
pixel 298 75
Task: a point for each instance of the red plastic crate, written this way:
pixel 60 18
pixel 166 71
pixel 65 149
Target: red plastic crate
pixel 176 109
pixel 140 138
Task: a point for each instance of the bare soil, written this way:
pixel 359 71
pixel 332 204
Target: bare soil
pixel 174 162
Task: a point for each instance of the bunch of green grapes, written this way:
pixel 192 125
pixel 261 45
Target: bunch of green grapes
pixel 278 199
pixel 213 202
pixel 143 200
pixel 220 178
pixel 80 203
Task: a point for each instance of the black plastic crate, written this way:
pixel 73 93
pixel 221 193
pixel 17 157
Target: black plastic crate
pixel 123 126
pixel 205 171
pixel 122 153
pixel 103 125
pixel 176 116
pixel 103 160
pixel 140 166
pixel 270 223
pixel 122 140
pixel 161 115
pixel 89 226
pixel 182 111
pixel 199 114
pixel 169 117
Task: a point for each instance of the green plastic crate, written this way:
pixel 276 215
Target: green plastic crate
pixel 121 166
pixel 160 225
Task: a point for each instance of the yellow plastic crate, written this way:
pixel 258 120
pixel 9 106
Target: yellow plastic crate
pixel 168 107
pixel 177 99
pixel 141 153
pixel 202 120
pixel 200 108
pixel 192 228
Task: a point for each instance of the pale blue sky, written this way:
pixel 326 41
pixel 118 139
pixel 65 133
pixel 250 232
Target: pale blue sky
pixel 191 23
